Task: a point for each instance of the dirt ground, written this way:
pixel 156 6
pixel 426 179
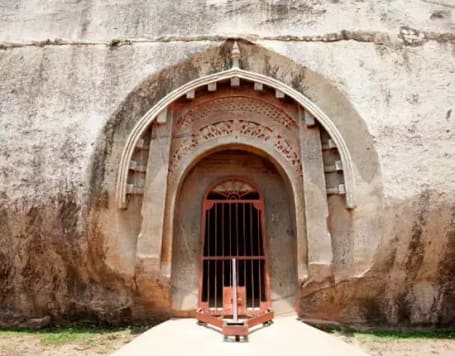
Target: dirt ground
pixel 401 345
pixel 28 344
pixel 78 342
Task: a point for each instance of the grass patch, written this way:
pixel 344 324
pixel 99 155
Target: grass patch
pixel 69 335
pixel 390 335
pixel 65 336
pixel 387 335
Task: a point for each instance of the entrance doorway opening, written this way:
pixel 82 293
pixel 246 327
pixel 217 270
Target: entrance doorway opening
pixel 234 251
pixel 274 205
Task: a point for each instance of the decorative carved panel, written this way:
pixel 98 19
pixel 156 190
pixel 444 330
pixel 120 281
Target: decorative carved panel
pixel 254 129
pixel 216 129
pixel 238 116
pixel 235 104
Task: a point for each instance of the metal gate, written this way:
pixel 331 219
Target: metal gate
pixel 233 240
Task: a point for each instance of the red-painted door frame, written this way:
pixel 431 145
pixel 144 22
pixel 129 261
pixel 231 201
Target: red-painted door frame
pixel 253 200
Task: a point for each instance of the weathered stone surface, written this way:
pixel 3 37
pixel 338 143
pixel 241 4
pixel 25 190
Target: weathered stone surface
pixel 66 107
pixel 95 20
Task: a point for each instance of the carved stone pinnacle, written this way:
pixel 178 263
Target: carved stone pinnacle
pixel 235 55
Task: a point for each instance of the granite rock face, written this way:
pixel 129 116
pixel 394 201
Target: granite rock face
pixel 75 76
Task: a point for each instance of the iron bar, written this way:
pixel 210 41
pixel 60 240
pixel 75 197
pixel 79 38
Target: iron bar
pixel 244 242
pixel 222 245
pixel 234 291
pixel 230 230
pixel 251 253
pixel 259 253
pixel 215 253
pixel 208 233
pixel 236 228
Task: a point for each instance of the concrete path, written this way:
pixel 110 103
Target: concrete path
pixel 287 336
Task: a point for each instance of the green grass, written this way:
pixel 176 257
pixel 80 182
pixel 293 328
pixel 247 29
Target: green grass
pixel 67 335
pixel 389 335
pixel 386 335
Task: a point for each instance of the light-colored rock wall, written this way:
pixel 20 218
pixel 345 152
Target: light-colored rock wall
pixel 125 19
pixel 61 103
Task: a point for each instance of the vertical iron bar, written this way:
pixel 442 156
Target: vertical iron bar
pixel 222 248
pixel 252 253
pixel 259 253
pixel 237 228
pixel 234 290
pixel 215 253
pixel 208 255
pixel 244 244
pixel 230 229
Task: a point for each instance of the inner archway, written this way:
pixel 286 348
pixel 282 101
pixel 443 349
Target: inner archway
pixel 234 249
pixel 190 221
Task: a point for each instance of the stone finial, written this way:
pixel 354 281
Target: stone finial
pixel 235 55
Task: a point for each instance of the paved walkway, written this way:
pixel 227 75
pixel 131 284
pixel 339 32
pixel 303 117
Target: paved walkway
pixel 287 336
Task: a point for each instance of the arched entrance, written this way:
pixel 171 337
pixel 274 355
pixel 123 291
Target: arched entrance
pixel 260 191
pixel 234 250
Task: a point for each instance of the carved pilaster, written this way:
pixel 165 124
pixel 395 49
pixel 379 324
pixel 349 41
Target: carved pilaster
pixel 150 238
pixel 320 252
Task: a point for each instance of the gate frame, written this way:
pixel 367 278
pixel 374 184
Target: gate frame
pixel 241 327
pixel 259 204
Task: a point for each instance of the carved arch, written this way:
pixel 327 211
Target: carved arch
pixel 319 115
pixel 255 146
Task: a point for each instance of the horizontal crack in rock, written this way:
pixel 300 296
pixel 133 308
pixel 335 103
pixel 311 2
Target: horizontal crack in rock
pixel 407 35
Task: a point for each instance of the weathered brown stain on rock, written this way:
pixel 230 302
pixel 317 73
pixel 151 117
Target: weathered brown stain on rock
pixel 343 302
pixel 446 272
pixel 373 310
pixel 48 268
pixel 414 261
pixel 386 295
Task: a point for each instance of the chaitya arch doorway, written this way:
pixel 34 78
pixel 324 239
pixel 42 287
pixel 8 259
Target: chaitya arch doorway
pixel 286 115
pixel 211 194
pixel 170 161
pixel 234 250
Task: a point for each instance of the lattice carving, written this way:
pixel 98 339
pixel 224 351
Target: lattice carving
pixel 287 150
pixel 185 146
pixel 233 105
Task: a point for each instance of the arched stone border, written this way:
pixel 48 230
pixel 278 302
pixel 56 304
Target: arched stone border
pixel 322 118
pixel 252 145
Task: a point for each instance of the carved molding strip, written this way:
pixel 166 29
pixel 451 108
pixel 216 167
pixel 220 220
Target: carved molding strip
pixel 235 104
pixel 239 128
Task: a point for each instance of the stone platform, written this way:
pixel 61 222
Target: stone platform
pixel 286 336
